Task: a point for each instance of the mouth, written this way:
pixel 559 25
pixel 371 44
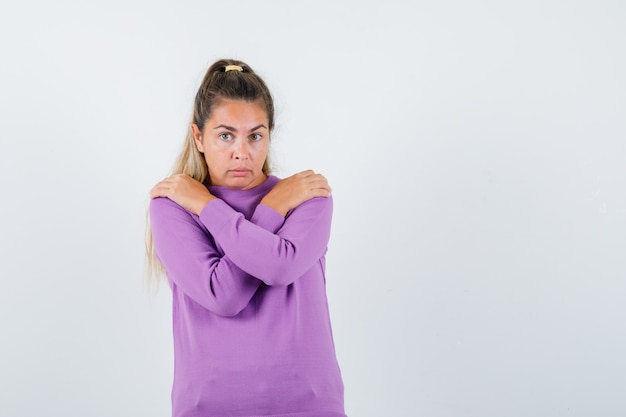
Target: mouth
pixel 239 172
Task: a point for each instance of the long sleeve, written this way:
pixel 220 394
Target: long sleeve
pixel 249 306
pixel 276 258
pixel 192 261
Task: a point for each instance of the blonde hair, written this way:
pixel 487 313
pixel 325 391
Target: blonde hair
pixel 218 84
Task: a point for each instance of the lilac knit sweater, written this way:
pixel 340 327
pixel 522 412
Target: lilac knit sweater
pixel 252 334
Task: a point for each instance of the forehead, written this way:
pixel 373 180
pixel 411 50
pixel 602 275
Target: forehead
pixel 238 112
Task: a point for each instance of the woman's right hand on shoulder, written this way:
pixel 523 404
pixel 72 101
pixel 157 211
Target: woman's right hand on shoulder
pixel 185 191
pixel 292 191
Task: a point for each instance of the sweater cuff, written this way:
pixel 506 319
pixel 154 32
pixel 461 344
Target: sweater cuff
pixel 267 218
pixel 216 214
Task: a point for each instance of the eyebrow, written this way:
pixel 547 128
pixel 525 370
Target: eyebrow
pixel 232 129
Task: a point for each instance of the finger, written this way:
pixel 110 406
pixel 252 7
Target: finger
pixel 321 192
pixel 156 192
pixel 318 178
pixel 162 189
pixel 319 183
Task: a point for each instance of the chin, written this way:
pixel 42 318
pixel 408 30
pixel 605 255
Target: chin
pixel 242 183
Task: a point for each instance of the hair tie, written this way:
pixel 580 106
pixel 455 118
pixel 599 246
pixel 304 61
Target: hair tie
pixel 233 68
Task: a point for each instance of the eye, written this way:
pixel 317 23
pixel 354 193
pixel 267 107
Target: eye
pixel 226 136
pixel 255 137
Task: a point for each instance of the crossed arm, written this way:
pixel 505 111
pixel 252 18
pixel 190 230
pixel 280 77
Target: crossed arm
pixel 222 269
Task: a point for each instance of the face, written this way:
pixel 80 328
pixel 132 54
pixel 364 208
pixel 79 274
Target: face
pixel 235 143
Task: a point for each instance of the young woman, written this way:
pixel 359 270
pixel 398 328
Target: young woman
pixel 243 252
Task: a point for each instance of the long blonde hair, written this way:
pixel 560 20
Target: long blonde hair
pixel 218 84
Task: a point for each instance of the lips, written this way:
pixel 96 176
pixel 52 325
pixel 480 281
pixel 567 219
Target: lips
pixel 239 172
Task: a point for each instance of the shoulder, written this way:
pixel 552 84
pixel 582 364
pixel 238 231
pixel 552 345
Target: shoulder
pixel 162 209
pixel 317 206
pixel 164 205
pixel 320 202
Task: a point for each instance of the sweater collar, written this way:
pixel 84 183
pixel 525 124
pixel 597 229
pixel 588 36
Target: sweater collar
pixel 224 192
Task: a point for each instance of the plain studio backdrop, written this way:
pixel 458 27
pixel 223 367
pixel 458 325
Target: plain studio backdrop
pixel 476 150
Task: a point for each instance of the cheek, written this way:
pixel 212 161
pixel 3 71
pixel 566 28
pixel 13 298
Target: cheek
pixel 261 151
pixel 213 158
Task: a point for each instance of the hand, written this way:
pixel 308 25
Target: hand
pixel 290 192
pixel 188 193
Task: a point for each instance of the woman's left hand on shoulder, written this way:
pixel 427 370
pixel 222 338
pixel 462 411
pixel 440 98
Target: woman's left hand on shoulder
pixel 290 192
pixel 188 193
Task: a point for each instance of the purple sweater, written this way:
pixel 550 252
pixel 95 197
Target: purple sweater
pixel 252 333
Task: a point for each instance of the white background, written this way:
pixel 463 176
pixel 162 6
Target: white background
pixel 477 156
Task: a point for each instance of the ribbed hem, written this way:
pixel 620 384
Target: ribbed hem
pixel 303 414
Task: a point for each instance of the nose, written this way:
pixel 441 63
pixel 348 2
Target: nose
pixel 241 150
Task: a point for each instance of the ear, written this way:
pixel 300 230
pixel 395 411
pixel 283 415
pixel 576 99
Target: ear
pixel 197 136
